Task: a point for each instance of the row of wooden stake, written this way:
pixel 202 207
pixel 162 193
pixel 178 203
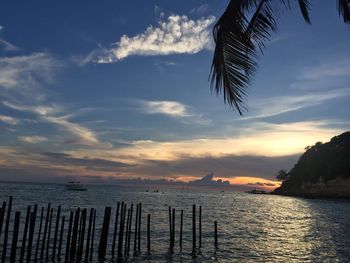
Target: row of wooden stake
pixel 194 236
pixel 78 226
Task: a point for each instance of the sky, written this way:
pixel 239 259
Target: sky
pixel 115 90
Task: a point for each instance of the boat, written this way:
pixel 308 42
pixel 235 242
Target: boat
pixel 257 192
pixel 75 186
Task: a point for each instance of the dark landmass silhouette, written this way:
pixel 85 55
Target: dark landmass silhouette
pixel 322 171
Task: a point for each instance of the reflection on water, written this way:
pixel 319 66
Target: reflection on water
pixel 252 228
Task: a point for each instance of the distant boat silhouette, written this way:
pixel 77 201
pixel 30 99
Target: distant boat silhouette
pixel 75 186
pixel 257 192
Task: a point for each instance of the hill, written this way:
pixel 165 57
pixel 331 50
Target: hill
pixel 322 171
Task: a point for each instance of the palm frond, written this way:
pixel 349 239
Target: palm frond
pixel 344 10
pixel 305 8
pixel 239 34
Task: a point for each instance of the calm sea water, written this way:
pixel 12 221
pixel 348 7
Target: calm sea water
pixel 252 228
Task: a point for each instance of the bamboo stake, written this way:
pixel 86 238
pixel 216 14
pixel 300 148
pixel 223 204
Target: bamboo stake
pixel 135 234
pixel 31 233
pixel 2 214
pixel 139 229
pixel 66 256
pixel 56 233
pixel 149 234
pixel 93 236
pixel 181 228
pixel 25 232
pixel 87 250
pixel 73 248
pixel 61 240
pixel 48 236
pixel 39 234
pixel 45 231
pixel 3 259
pixel 104 234
pixel 15 237
pixel 200 227
pixel 216 234
pixel 115 229
pixel 193 230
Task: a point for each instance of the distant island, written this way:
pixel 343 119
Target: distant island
pixel 322 171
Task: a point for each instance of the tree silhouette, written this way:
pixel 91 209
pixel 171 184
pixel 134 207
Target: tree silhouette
pixel 281 175
pixel 240 34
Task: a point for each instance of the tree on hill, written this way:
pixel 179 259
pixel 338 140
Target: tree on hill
pixel 321 162
pixel 240 34
pixel 281 175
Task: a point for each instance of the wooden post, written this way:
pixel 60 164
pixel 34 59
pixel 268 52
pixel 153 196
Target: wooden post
pixel 121 232
pixel 139 229
pixel 66 256
pixel 92 237
pixel 170 230
pixel 216 234
pixel 149 234
pixel 82 235
pixel 73 247
pixel 104 234
pixel 126 234
pixel 193 230
pixel 129 230
pixel 181 227
pixel 173 228
pixel 48 236
pixel 45 231
pixel 2 214
pixel 115 229
pixel 15 237
pixel 31 233
pixel 200 227
pixel 39 234
pixel 79 234
pixel 61 240
pixel 56 233
pixel 87 250
pixel 135 234
pixel 3 258
pixel 25 232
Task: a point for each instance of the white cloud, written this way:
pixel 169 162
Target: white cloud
pixel 83 134
pixel 171 108
pixel 340 68
pixel 32 139
pixel 176 35
pixel 21 77
pixel 54 114
pixel 7 46
pixel 200 9
pixel 273 106
pixel 9 120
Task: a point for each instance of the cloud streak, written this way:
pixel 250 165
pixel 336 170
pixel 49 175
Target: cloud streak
pixel 54 114
pixel 32 139
pixel 175 35
pixel 22 74
pixel 273 106
pixel 9 120
pixel 170 108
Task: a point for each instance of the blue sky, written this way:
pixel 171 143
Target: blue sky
pixel 119 89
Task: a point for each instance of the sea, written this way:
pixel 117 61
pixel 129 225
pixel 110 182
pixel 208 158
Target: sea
pixel 251 228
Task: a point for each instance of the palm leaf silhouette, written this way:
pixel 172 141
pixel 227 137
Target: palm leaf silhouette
pixel 240 35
